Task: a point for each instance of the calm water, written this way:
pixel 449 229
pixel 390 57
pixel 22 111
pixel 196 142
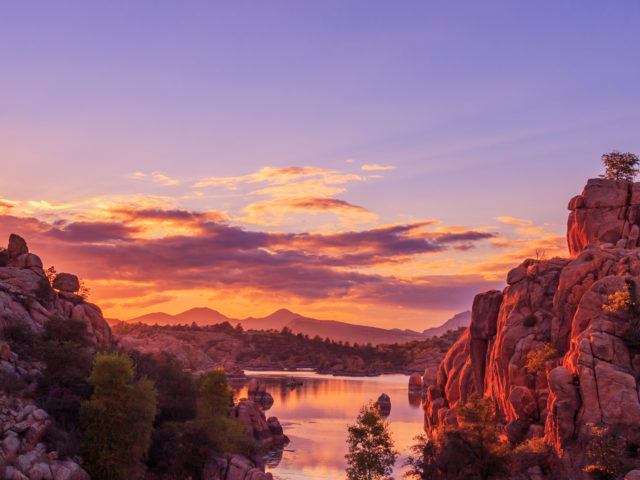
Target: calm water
pixel 315 417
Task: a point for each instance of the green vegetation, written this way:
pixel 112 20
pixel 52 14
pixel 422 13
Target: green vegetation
pixel 606 454
pixel 471 450
pixel 625 302
pixel 371 452
pixel 536 359
pixel 117 420
pixel 620 166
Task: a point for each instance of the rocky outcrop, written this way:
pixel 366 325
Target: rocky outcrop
pixel 608 211
pixel 235 467
pixel 556 306
pixel 266 433
pixel 23 453
pixel 27 298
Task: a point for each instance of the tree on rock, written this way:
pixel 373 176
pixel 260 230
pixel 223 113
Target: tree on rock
pixel 470 450
pixel 371 451
pixel 620 166
pixel 117 420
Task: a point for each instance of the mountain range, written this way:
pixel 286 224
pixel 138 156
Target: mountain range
pixel 333 329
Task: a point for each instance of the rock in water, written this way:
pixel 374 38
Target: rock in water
pixel 384 404
pixel 415 382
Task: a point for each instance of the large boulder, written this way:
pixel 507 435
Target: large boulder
pixel 605 212
pixel 384 404
pixel 66 282
pixel 415 382
pixel 17 246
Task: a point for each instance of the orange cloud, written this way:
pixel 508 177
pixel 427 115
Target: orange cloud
pixel 373 167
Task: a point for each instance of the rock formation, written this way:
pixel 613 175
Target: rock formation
pixel 266 432
pixel 384 404
pixel 28 299
pixel 557 305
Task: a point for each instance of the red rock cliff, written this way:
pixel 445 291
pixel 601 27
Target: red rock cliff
pixel 594 376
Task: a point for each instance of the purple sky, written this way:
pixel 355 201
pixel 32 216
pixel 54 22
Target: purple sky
pixel 484 109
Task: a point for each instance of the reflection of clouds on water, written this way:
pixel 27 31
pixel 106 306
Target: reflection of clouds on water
pixel 315 416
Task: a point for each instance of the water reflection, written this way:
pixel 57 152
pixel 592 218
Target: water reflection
pixel 315 416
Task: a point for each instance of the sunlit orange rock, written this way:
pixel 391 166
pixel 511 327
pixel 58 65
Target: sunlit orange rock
pixel 557 304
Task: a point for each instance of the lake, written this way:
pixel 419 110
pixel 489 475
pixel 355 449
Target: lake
pixel 315 416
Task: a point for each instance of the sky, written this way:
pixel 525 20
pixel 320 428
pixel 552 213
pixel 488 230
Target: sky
pixel 368 161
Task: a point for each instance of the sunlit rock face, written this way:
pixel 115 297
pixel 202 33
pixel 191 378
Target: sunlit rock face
pixel 26 297
pixel 608 211
pixel 558 304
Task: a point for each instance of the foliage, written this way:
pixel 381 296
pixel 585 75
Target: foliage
pixel 50 273
pixel 620 166
pixel 84 291
pixel 536 359
pixel 470 450
pixel 67 355
pixel 117 419
pixel 22 340
pixel 605 454
pixel 176 388
pixel 215 398
pixel 532 452
pixel 620 301
pixel 625 301
pixel 371 450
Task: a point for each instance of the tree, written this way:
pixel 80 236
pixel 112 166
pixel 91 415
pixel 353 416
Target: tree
pixel 117 420
pixel 371 451
pixel 620 166
pixel 470 450
pixel 215 398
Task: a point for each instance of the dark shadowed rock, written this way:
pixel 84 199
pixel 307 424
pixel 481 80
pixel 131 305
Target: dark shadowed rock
pixel 384 404
pixel 17 246
pixel 66 282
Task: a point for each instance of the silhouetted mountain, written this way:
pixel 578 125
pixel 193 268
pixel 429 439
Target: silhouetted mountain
pixel 201 316
pixel 333 329
pixel 462 319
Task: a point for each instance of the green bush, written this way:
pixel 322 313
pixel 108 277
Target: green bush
pixel 117 420
pixel 371 451
pixel 536 359
pixel 472 450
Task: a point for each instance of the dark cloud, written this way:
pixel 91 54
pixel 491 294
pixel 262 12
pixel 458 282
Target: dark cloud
pixel 221 256
pixel 92 232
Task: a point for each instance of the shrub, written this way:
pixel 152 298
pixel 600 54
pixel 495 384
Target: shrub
pixel 117 421
pixel 371 451
pixel 470 450
pixel 620 166
pixel 22 340
pixel 536 359
pixel 176 388
pixel 532 452
pixel 620 301
pixel 606 454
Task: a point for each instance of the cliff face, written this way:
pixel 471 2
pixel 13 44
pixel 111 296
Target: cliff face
pixel 557 304
pixel 28 299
